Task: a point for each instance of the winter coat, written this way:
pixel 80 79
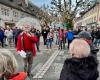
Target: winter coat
pixel 38 34
pixel 18 76
pixel 60 34
pixel 94 49
pixel 1 35
pixel 98 35
pixel 29 43
pixel 70 35
pixel 80 69
pixel 17 32
pixel 45 33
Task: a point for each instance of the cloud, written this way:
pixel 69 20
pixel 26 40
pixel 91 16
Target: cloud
pixel 41 2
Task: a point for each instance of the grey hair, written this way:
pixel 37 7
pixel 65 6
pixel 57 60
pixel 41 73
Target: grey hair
pixel 79 48
pixel 2 63
pixel 8 63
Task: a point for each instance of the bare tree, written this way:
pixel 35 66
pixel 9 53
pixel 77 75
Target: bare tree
pixel 71 9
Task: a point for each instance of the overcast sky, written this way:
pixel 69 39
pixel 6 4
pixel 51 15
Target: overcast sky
pixel 41 2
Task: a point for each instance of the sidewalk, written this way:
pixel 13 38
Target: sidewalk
pixel 48 63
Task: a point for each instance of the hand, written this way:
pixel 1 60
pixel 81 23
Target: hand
pixel 29 34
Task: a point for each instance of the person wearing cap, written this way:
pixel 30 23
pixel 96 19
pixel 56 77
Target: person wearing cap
pixel 81 65
pixel 85 35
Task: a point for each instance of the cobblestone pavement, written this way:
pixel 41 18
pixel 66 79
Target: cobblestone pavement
pixel 48 63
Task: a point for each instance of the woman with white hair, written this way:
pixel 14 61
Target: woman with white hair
pixel 8 66
pixel 81 65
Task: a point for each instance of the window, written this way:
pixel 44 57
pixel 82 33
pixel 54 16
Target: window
pixel 15 14
pixel 22 15
pixel 5 11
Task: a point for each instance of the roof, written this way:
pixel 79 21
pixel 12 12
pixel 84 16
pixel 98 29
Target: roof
pixel 20 5
pixel 84 12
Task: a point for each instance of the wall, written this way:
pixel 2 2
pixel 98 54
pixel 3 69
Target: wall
pixel 10 15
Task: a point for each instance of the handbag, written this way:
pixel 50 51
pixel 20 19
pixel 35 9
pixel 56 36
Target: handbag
pixel 22 54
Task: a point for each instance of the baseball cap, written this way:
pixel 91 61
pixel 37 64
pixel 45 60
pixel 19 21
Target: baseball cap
pixel 85 34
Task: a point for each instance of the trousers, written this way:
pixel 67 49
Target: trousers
pixel 28 62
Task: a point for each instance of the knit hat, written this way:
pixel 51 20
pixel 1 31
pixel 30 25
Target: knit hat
pixel 85 35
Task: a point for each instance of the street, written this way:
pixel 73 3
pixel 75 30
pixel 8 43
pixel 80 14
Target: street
pixel 26 24
pixel 47 64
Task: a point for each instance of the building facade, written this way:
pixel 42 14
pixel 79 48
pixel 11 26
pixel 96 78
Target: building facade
pixel 90 18
pixel 11 11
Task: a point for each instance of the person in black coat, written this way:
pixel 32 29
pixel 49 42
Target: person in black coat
pixel 44 34
pixel 85 35
pixel 81 65
pixel 16 32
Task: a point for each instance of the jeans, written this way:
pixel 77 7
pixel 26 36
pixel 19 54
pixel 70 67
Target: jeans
pixel 44 38
pixel 60 44
pixel 69 41
pixel 37 45
pixel 49 43
pixel 2 43
pixel 97 42
pixel 57 41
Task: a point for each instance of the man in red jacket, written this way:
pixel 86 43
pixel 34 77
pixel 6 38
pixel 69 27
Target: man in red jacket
pixel 26 42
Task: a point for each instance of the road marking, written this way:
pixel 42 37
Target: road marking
pixel 41 49
pixel 47 65
pixel 37 67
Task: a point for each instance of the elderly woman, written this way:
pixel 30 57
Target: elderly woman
pixel 81 66
pixel 8 65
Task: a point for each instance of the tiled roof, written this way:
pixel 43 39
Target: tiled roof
pixel 19 5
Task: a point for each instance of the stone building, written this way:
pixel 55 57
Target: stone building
pixel 90 18
pixel 13 10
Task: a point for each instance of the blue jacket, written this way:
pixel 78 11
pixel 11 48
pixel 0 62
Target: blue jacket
pixel 1 35
pixel 70 35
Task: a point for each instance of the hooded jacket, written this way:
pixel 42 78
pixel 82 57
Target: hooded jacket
pixel 80 69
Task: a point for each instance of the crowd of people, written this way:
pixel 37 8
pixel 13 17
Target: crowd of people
pixel 81 44
pixel 8 36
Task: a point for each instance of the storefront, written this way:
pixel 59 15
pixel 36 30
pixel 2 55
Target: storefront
pixel 92 25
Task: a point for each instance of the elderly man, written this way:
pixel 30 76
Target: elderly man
pixel 26 43
pixel 85 35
